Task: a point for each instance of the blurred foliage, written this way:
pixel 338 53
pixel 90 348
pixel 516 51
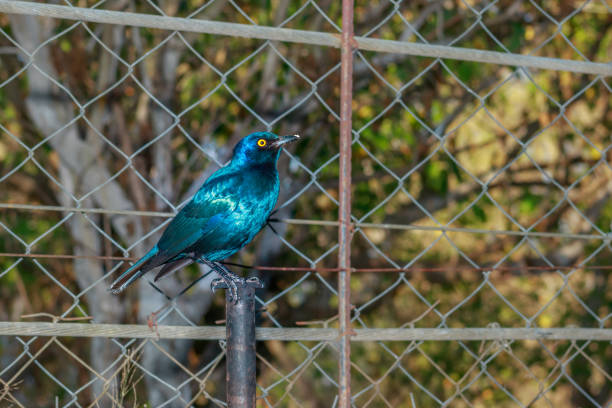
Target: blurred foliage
pixel 437 142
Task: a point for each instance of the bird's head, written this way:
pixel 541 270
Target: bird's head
pixel 260 148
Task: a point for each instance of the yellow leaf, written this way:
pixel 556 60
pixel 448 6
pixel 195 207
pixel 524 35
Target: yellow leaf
pixel 365 112
pixel 545 321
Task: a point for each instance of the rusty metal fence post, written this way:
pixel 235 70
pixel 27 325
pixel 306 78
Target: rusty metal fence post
pixel 344 216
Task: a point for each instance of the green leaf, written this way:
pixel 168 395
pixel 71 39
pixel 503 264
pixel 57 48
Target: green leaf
pixel 529 203
pixel 479 213
pixel 436 177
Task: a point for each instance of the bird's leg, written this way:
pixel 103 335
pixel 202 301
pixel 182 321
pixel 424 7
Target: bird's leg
pixel 227 279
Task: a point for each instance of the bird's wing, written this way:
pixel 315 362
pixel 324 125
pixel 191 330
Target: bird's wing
pixel 213 203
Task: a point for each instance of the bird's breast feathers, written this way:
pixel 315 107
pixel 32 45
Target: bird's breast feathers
pixel 247 196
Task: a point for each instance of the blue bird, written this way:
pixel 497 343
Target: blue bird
pixel 230 208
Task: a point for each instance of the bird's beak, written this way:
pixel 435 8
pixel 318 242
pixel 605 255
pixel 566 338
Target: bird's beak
pixel 284 140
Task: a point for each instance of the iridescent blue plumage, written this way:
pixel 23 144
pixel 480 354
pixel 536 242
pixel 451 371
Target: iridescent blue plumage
pixel 226 213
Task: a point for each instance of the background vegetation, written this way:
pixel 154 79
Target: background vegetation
pixel 135 119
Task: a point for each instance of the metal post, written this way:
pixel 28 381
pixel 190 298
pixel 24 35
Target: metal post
pixel 240 346
pixel 344 216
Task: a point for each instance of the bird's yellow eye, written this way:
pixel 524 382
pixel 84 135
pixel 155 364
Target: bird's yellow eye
pixel 262 143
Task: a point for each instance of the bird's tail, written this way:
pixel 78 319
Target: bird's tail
pixel 132 273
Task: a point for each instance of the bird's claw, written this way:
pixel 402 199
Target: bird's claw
pixel 217 283
pixel 255 282
pixel 231 283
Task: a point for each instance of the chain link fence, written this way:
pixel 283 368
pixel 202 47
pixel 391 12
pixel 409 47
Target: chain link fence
pixel 474 270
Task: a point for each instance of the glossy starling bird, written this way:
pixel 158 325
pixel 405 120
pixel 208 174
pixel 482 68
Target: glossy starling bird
pixel 230 208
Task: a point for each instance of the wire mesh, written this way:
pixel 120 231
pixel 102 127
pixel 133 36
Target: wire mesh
pixel 480 198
